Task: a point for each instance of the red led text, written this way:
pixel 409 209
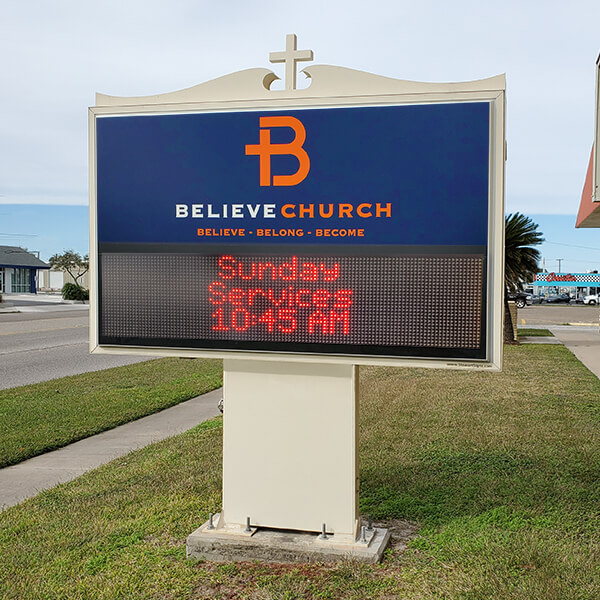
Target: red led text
pixel 284 296
pixel 292 270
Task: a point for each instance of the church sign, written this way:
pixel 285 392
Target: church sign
pixel 359 220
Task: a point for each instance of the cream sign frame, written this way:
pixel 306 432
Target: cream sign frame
pixel 331 87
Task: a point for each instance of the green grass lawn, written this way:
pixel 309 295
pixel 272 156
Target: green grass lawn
pixel 499 473
pixel 531 332
pixel 45 416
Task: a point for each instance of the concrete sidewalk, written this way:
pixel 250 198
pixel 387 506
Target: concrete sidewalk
pixel 42 472
pixel 30 477
pixel 583 342
pixel 14 303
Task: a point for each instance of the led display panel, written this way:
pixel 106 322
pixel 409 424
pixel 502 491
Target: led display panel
pixel 350 231
pixel 334 303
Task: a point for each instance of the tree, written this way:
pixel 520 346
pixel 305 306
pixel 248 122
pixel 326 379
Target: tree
pixel 71 262
pixel 520 259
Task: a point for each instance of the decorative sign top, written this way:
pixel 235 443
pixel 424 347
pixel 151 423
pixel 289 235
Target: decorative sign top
pixel 290 56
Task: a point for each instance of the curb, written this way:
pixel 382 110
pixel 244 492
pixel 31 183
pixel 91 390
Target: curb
pixel 8 308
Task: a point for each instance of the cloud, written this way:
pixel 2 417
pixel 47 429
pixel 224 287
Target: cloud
pixel 66 200
pixel 70 50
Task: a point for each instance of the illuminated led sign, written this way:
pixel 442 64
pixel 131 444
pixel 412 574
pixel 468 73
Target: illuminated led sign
pixel 341 231
pixel 394 305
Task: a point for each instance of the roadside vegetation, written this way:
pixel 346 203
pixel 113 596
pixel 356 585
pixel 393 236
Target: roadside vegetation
pixel 497 475
pixel 532 332
pixel 76 266
pixel 520 261
pixel 45 416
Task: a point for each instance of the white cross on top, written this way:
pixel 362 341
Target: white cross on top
pixel 290 57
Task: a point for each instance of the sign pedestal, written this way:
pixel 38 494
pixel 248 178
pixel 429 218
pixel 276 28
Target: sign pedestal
pixel 290 462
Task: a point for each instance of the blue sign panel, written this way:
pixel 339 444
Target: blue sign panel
pixel 359 231
pixel 372 175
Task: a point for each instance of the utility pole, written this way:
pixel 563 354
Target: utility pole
pixel 559 261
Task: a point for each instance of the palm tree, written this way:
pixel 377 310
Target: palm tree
pixel 520 259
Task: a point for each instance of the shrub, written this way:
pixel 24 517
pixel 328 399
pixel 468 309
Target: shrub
pixel 72 291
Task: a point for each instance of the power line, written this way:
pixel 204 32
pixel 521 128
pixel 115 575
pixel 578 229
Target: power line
pixel 572 246
pixel 586 262
pixel 19 234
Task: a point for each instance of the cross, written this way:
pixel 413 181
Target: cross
pixel 290 56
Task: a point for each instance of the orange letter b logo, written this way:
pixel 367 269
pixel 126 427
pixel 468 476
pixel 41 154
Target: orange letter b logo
pixel 265 149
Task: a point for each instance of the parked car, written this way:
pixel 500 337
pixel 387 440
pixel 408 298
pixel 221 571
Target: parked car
pixel 535 299
pixel 558 299
pixel 591 299
pixel 519 298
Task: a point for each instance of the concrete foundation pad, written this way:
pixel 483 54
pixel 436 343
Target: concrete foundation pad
pixel 273 545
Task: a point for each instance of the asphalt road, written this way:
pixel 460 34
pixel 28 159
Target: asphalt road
pixel 558 314
pixel 47 341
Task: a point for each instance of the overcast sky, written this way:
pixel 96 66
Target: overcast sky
pixel 57 54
